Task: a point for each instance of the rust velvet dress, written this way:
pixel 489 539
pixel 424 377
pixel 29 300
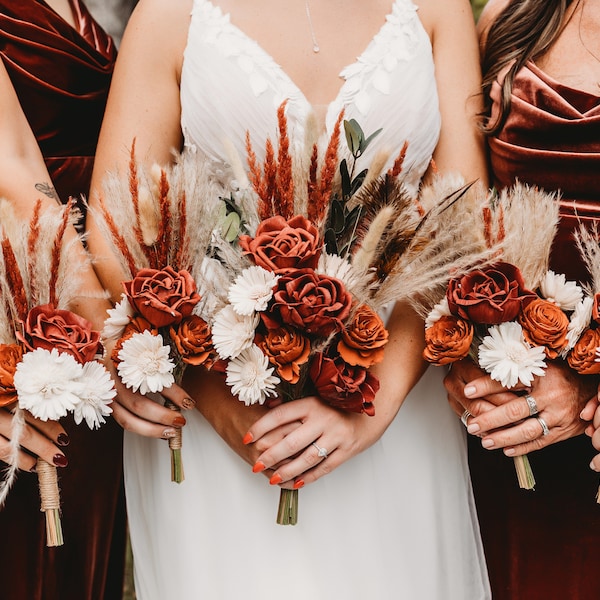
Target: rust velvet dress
pixel 61 76
pixel 544 543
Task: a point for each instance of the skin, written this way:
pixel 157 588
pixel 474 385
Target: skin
pixel 566 400
pixel 144 103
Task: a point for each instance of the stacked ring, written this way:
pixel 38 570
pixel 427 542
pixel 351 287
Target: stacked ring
pixel 531 403
pixel 464 417
pixel 545 430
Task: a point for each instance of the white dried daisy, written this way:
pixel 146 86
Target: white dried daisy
pixel 250 377
pixel 580 320
pixel 441 309
pixel 555 288
pixel 252 290
pixel 118 319
pixel 47 383
pixel 508 358
pixel 98 391
pixel 145 364
pixel 335 266
pixel 232 333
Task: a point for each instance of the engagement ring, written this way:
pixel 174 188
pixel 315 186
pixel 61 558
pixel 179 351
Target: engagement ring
pixel 321 451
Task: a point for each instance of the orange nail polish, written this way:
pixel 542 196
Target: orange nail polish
pixel 258 467
pixel 298 484
pixel 178 422
pixel 247 438
pixel 275 479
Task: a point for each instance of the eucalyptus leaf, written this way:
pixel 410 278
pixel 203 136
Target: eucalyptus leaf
pixel 354 136
pixel 230 226
pixel 366 142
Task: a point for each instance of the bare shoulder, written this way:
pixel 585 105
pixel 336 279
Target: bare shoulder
pixel 439 16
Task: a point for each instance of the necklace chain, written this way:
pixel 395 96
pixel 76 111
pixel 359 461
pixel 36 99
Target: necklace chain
pixel 580 37
pixel 316 47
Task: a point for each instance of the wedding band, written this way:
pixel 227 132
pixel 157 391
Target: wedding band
pixel 321 451
pixel 464 417
pixel 533 409
pixel 545 430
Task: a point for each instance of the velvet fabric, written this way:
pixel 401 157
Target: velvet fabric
pixel 61 76
pixel 543 543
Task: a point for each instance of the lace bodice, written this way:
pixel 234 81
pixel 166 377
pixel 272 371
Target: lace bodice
pixel 229 85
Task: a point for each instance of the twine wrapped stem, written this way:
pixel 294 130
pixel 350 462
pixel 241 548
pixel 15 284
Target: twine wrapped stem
pixel 50 502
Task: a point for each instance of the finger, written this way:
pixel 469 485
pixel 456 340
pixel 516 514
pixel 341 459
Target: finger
pixel 25 461
pixel 587 414
pixel 529 430
pixel 308 459
pixel 179 396
pixel 595 464
pixel 53 430
pixel 283 414
pixel 486 386
pixel 131 422
pixel 507 414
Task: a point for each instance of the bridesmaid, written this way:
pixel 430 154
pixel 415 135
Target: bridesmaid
pixel 541 68
pixel 57 63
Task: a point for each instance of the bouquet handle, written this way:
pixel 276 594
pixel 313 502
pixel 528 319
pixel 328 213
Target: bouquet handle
pixel 175 444
pixel 50 502
pixel 287 513
pixel 524 472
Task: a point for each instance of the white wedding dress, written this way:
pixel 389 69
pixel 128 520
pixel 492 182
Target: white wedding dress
pixel 397 521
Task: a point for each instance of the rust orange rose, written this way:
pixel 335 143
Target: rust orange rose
pixel 47 327
pixel 582 357
pixel 193 340
pixel 490 295
pixel 545 324
pixel 447 340
pixel 362 342
pixel 10 356
pixel 313 303
pixel 287 349
pixel 596 309
pixel 280 245
pixel 163 297
pixel 342 385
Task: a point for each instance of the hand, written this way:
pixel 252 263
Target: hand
pixel 43 439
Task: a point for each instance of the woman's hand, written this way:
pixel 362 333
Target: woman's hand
pixel 39 438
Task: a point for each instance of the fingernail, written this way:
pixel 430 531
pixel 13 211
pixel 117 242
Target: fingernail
pixel 299 484
pixel 60 460
pixel 593 467
pixel 188 403
pixel 247 438
pixel 258 467
pixel 169 433
pixel 473 428
pixel 63 439
pixel 487 443
pixel 469 390
pixel 178 422
pixel 275 479
pixel 33 469
pixel 509 451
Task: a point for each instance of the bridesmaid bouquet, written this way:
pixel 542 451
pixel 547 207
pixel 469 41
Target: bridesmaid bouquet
pixel 49 357
pixel 490 313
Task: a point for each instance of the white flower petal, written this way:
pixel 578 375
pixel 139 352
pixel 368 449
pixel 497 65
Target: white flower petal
pixel 232 333
pixel 441 309
pixel 98 391
pixel 252 290
pixel 118 318
pixel 580 319
pixel 566 294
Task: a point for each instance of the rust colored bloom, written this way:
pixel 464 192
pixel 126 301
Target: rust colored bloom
pixel 193 340
pixel 287 349
pixel 582 357
pixel 315 304
pixel 10 356
pixel 545 324
pixel 281 245
pixel 490 295
pixel 448 340
pixel 362 342
pixel 596 309
pixel 47 327
pixel 164 297
pixel 342 385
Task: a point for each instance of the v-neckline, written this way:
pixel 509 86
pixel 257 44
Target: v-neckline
pixel 271 59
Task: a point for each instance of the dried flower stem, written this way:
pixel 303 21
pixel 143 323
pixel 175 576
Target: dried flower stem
pixel 175 444
pixel 50 502
pixel 524 472
pixel 287 513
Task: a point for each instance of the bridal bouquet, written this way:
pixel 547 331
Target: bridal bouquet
pixel 491 313
pixel 49 357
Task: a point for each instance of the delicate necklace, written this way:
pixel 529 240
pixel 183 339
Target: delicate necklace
pixel 316 47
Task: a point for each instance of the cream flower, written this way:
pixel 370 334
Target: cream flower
pixel 145 364
pixel 333 265
pixel 118 319
pixel 555 288
pixel 98 391
pixel 232 333
pixel 47 383
pixel 580 319
pixel 507 357
pixel 252 290
pixel 250 377
pixel 441 309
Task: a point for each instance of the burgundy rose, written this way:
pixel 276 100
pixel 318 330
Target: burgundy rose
pixel 490 295
pixel 313 303
pixel 280 245
pixel 47 327
pixel 164 297
pixel 344 386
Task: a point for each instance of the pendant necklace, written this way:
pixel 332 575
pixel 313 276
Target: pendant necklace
pixel 316 47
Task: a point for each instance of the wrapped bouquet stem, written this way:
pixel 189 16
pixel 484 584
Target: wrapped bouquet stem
pixel 50 502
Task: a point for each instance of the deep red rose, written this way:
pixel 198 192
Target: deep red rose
pixel 281 245
pixel 47 327
pixel 344 386
pixel 490 295
pixel 313 303
pixel 163 297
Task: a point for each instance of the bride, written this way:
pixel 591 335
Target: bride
pixel 398 520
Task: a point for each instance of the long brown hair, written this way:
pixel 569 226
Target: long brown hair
pixel 522 31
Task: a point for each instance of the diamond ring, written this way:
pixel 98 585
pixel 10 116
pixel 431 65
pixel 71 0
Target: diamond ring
pixel 322 452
